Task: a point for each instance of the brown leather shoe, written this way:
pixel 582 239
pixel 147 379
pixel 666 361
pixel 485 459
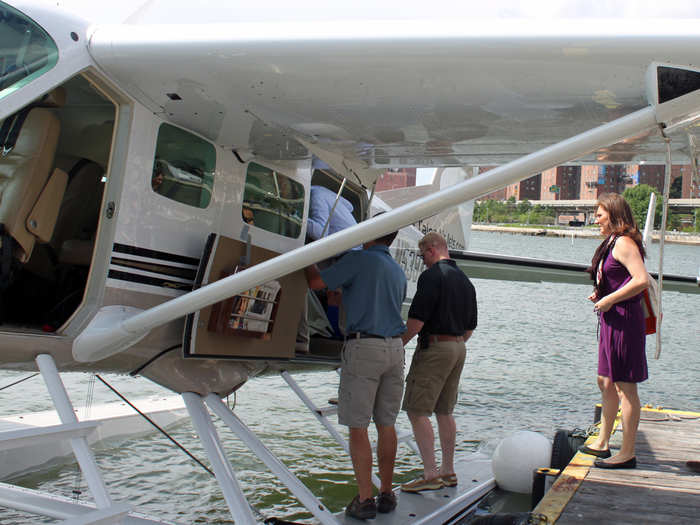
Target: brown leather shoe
pixel 386 502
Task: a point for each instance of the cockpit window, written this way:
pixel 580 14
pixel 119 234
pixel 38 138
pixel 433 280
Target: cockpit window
pixel 272 201
pixel 184 167
pixel 26 50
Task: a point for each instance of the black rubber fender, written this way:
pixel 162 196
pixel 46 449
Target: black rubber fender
pixel 561 450
pixel 564 447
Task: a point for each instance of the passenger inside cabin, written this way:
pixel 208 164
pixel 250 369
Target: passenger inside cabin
pixel 320 206
pixel 157 179
pixel 248 215
pixel 321 212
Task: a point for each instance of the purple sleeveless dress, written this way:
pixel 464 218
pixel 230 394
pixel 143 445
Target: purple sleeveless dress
pixel 621 349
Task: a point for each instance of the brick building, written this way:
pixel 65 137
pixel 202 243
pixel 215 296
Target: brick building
pixel 530 188
pixel 565 181
pixel 589 182
pixel 396 178
pixel 653 175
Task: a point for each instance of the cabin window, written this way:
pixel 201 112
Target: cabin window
pixel 184 167
pixel 26 53
pixel 273 201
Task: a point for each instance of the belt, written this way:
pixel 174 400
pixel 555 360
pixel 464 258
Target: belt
pixel 437 338
pixel 362 335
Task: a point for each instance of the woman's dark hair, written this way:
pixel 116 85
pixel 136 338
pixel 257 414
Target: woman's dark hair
pixel 621 223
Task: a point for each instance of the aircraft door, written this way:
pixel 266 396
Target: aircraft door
pixel 259 323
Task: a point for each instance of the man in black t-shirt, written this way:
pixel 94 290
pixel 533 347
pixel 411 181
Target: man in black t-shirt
pixel 443 314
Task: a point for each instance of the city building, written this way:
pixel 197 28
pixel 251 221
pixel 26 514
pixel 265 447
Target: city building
pixel 396 178
pixel 561 183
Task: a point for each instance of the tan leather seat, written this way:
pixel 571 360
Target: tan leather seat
pixel 30 190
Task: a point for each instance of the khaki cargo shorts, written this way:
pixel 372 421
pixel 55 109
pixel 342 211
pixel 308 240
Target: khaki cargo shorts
pixel 432 383
pixel 371 382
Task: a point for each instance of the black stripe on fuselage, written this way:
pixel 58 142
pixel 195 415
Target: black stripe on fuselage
pixel 154 254
pixel 152 281
pixel 168 271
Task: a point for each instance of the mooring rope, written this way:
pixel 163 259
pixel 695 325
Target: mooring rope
pixel 19 381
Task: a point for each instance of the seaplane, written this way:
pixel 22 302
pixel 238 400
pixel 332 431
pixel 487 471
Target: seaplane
pixel 157 159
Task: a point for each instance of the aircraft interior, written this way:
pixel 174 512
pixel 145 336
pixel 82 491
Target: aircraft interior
pixel 323 307
pixel 52 177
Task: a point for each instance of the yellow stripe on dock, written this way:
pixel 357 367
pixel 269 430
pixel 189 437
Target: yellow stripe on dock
pixel 563 489
pixel 661 490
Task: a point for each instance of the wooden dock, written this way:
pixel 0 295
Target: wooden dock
pixel 662 489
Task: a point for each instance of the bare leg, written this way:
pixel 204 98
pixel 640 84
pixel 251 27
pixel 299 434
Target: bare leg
pixel 425 438
pixel 447 428
pixel 610 402
pixel 361 454
pixel 631 411
pixel 386 455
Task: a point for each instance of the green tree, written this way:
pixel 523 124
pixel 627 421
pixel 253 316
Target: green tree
pixel 524 206
pixel 676 189
pixel 638 198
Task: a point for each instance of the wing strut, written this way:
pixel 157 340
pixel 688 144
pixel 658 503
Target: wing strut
pixel 330 215
pixel 102 339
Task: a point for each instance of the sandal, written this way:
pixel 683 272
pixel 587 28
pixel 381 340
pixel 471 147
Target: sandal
pixel 449 480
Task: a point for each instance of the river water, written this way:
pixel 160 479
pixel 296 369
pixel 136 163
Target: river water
pixel 531 365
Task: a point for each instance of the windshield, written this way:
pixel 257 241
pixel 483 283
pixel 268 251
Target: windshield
pixel 26 51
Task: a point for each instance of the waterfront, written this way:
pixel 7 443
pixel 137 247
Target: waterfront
pixel 673 237
pixel 530 365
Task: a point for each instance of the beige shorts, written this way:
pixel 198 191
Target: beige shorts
pixel 432 383
pixel 371 382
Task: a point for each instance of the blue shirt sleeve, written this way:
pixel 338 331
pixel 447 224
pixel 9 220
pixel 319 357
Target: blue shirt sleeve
pixel 342 273
pixel 319 211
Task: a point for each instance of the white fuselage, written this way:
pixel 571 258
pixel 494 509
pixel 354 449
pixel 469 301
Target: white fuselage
pixel 367 91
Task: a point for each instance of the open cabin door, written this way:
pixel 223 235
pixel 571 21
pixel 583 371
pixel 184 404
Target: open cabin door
pixel 260 323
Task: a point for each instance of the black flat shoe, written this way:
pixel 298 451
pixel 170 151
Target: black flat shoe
pixel 630 463
pixel 593 452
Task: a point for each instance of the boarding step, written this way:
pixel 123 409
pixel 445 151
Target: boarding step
pixel 113 514
pixel 62 507
pixel 328 410
pixel 322 413
pixel 446 505
pixel 401 437
pixel 27 437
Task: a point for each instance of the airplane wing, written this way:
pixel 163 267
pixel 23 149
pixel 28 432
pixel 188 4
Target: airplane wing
pixel 403 92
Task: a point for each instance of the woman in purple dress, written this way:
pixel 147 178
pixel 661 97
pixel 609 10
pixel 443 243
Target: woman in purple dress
pixel 620 277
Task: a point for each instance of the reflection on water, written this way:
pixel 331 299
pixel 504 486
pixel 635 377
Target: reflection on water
pixel 531 365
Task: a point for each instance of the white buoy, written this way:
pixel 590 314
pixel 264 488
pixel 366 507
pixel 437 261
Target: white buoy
pixel 516 458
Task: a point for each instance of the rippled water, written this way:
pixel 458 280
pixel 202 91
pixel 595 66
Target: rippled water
pixel 531 365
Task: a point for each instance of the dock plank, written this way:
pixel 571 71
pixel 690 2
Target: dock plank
pixel 662 489
pixel 597 502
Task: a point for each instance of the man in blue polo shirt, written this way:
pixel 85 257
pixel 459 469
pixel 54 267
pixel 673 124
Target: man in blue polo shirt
pixel 371 378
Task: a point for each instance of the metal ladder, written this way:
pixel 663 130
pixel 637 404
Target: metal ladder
pixel 322 413
pixel 107 511
pixel 241 511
